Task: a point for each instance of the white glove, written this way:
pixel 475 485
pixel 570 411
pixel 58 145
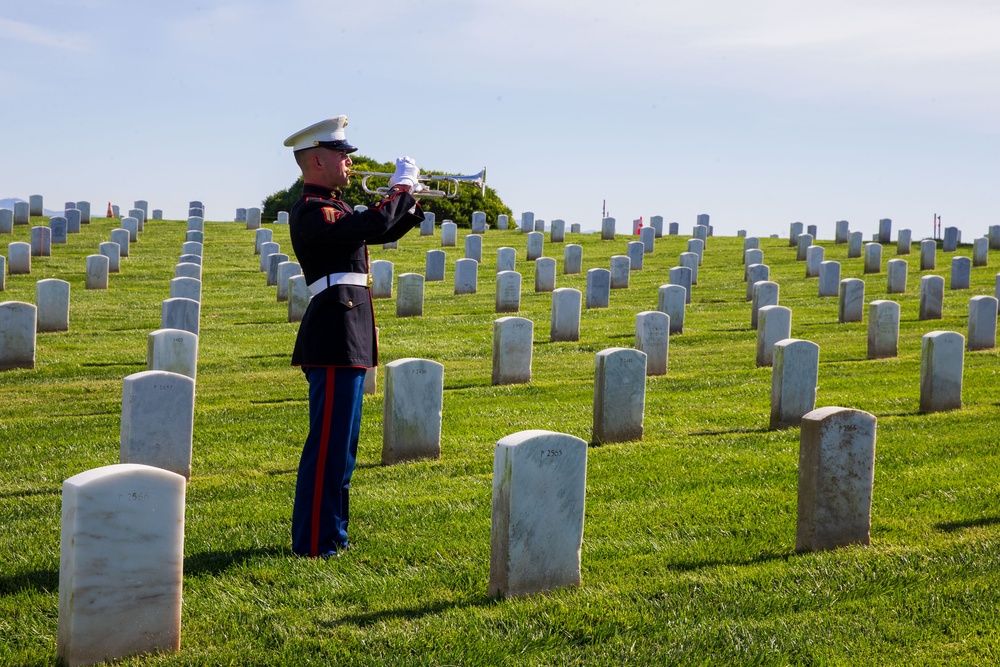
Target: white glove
pixel 406 173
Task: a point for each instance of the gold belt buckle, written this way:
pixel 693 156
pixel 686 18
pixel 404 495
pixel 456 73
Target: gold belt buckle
pixel 370 281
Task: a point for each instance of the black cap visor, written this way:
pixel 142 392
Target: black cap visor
pixel 338 145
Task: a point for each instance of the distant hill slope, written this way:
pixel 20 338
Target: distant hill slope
pixel 10 201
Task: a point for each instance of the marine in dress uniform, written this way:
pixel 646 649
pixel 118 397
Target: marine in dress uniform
pixel 336 340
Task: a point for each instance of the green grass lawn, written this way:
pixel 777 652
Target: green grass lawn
pixel 688 552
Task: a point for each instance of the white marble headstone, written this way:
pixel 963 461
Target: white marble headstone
pixel 132 225
pixel 852 300
pixel 961 272
pixel 381 271
pixel 794 231
pixel 982 322
pixel 635 252
pixel 814 257
pixel 656 223
pixel 652 336
pixel 755 274
pixel 873 258
pixel 619 395
pixel 253 218
pixel 527 222
pixel 411 415
pixel 903 241
pixel 980 251
pixel 565 316
pixel 621 267
pixel 829 278
pixel 22 214
pixel 180 313
pixel 60 229
pixel 434 265
pixel 187 270
pixel 572 259
pixel 765 293
pixel 794 379
pixel 690 260
pixel 508 292
pixel 474 247
pixel 774 323
pixel 427 224
pixel 950 241
pixel 598 288
pixel 536 245
pixel 896 272
pixel 608 229
pixel 558 232
pixel 122 238
pixel 285 271
pixel 836 476
pixel 52 301
pixel 928 252
pixel 410 295
pixel 192 248
pixel 172 350
pixel 942 358
pixel 298 297
pixel 506 259
pixel 512 346
pixel 466 275
pixel 35 205
pixel 841 231
pixel 671 299
pixel 267 248
pixel 883 329
pixel 41 242
pixel 449 234
pixel 804 241
pixel 478 222
pixel 112 251
pixel 536 530
pixel 17 334
pixel 186 288
pixel 6 220
pixel 97 271
pixel 157 426
pixel 545 274
pixel 121 563
pixel 931 298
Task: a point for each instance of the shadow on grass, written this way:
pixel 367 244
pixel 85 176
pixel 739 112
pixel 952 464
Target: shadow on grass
pixel 758 560
pixel 733 431
pixel 216 562
pixel 952 526
pixel 409 613
pixel 55 491
pixel 39 581
pixel 277 401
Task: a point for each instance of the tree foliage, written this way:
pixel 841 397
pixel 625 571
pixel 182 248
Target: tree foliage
pixel 458 210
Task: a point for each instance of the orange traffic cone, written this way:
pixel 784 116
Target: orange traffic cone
pixel 111 213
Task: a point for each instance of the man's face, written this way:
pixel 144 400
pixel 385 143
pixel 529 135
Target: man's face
pixel 336 167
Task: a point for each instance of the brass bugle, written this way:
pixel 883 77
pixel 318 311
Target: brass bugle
pixel 447 186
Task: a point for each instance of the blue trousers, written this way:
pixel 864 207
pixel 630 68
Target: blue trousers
pixel 320 512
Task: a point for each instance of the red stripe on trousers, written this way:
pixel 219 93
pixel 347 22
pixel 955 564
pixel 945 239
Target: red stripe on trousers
pixel 324 440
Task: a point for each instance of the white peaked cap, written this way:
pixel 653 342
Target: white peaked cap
pixel 327 133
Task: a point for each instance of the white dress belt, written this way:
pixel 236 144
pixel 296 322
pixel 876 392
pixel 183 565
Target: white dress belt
pixel 360 279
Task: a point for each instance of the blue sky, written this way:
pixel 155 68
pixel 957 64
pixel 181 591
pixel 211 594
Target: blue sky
pixel 759 114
